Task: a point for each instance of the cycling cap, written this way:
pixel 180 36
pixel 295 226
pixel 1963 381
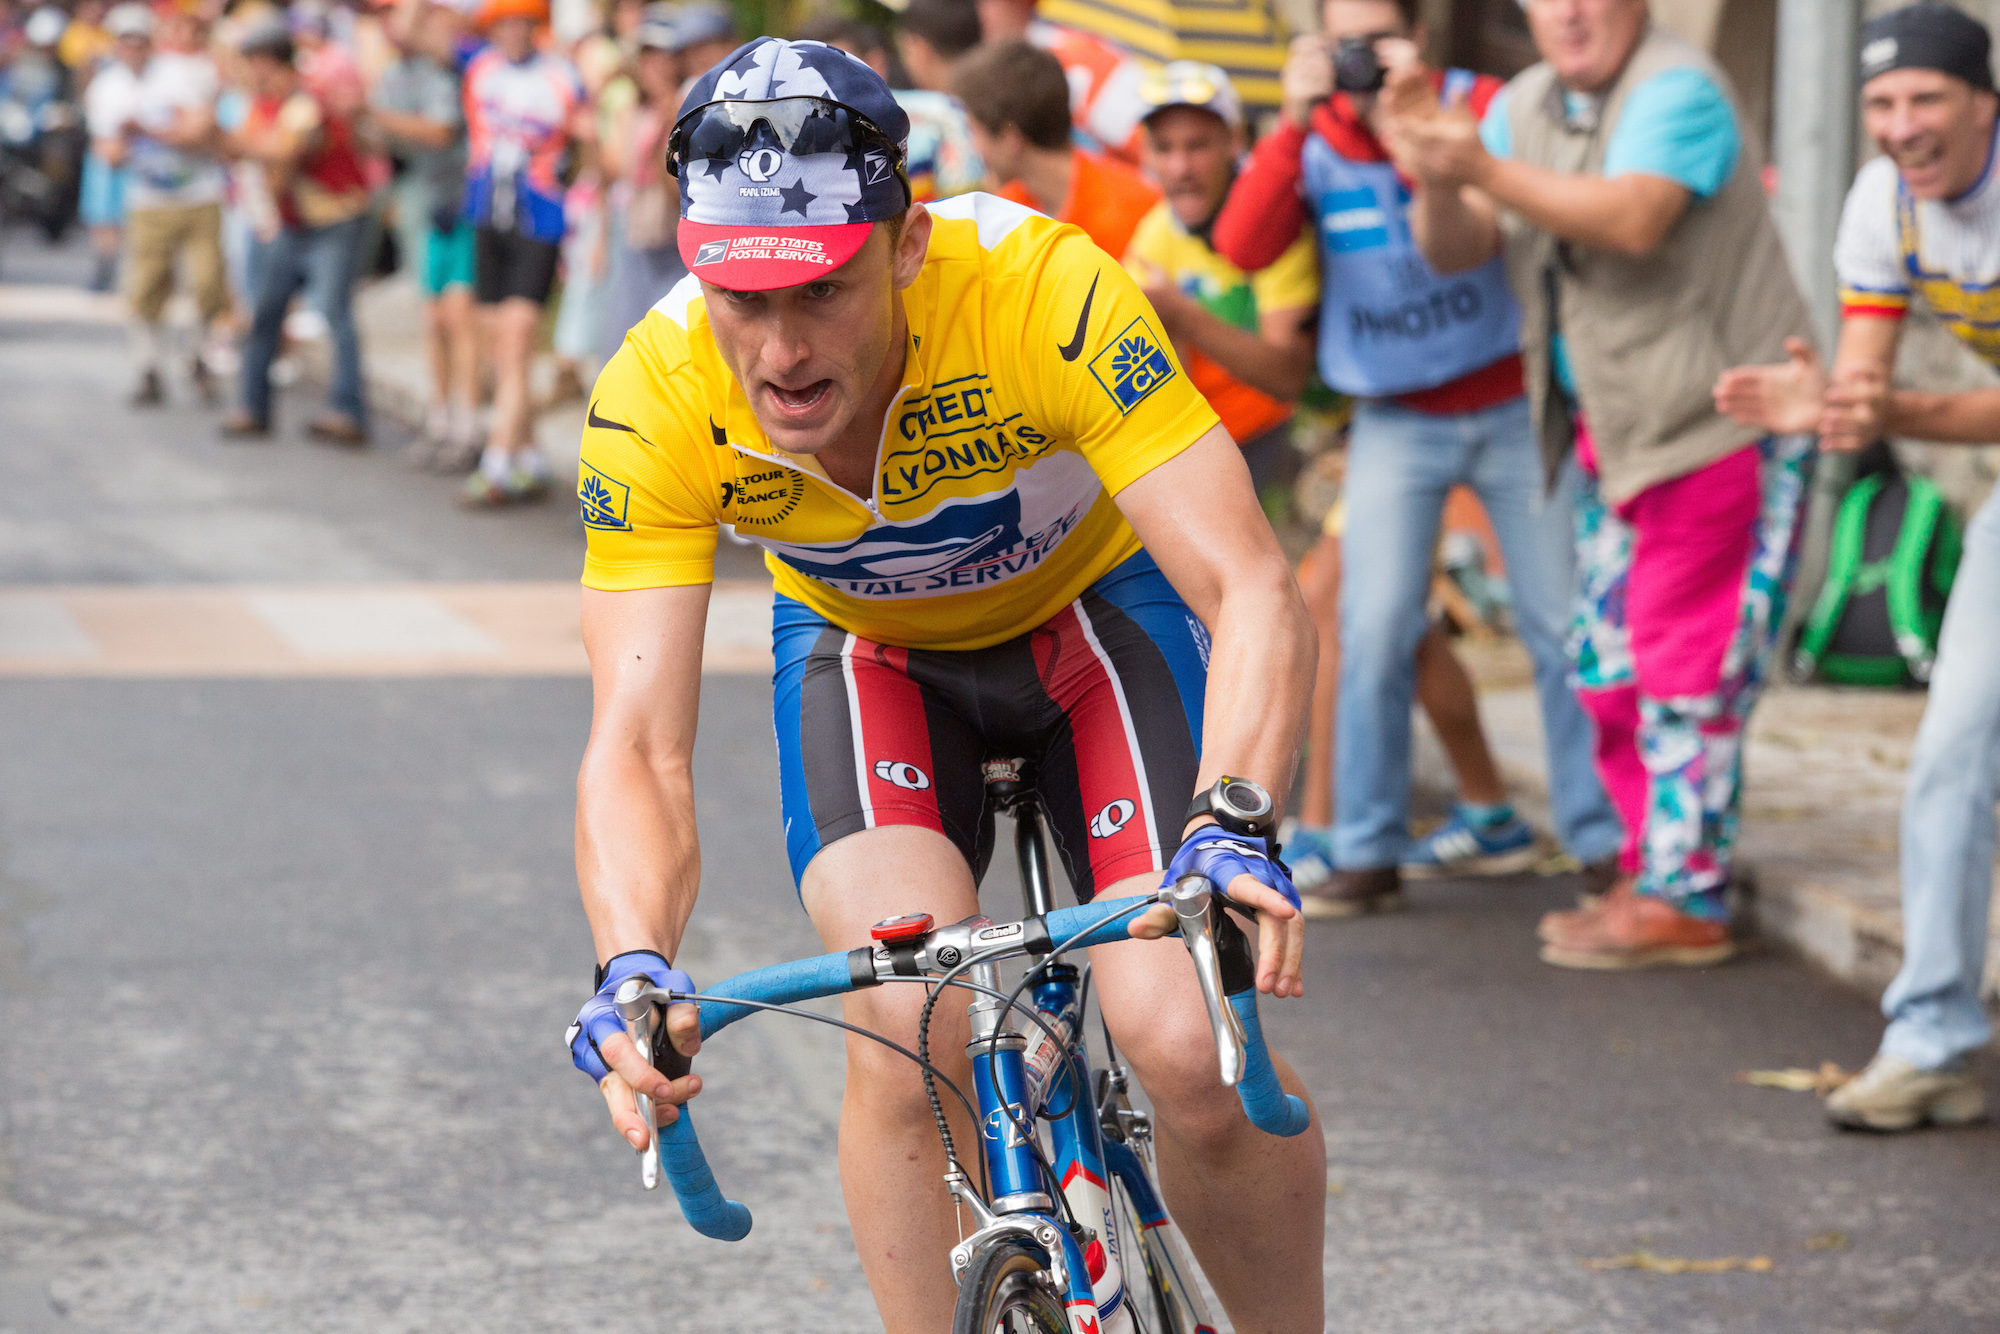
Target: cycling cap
pixel 788 154
pixel 1193 83
pixel 1928 36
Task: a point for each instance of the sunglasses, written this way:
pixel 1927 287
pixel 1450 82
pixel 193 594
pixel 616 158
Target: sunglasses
pixel 797 125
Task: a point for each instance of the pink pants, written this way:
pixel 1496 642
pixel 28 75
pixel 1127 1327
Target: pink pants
pixel 1682 591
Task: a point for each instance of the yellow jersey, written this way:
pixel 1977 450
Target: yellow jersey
pixel 1036 387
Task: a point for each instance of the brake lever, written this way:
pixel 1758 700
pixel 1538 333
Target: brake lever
pixel 1193 899
pixel 640 1006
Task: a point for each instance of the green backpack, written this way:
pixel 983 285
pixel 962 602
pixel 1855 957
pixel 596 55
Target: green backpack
pixel 1895 551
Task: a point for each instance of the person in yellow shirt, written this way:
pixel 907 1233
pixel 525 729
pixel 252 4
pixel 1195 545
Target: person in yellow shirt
pixel 1001 523
pixel 1246 339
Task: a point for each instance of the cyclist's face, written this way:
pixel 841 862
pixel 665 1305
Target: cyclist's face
pixel 1936 127
pixel 813 359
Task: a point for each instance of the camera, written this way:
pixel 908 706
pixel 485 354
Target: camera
pixel 1355 66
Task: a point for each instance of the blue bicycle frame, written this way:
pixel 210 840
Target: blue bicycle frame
pixel 1012 1096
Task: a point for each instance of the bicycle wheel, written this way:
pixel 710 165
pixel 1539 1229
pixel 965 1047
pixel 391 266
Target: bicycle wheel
pixel 1004 1292
pixel 1147 1294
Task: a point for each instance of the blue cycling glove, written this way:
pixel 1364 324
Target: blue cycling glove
pixel 1222 856
pixel 599 1017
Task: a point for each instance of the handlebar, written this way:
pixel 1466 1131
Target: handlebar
pixel 1246 1063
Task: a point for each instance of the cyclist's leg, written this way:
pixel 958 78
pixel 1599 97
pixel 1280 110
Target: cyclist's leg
pixel 882 801
pixel 1252 1206
pixel 1122 667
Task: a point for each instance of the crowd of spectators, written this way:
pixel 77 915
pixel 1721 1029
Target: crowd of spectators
pixel 1535 292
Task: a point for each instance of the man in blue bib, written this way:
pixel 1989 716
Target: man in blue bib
pixel 1434 364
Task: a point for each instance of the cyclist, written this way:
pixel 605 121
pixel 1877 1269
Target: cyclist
pixel 964 581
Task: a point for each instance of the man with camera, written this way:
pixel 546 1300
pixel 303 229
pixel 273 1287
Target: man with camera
pixel 1434 365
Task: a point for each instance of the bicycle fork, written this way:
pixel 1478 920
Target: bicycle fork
pixel 1086 1268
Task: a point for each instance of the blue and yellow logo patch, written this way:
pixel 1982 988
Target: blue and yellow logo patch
pixel 1133 366
pixel 604 500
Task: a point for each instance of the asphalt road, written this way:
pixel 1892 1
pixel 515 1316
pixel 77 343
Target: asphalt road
pixel 284 967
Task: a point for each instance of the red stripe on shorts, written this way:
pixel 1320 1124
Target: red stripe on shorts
pixel 892 737
pixel 1110 768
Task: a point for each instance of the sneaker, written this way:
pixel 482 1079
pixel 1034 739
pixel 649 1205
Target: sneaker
pixel 240 425
pixel 1354 893
pixel 148 393
pixel 1308 850
pixel 1635 931
pixel 1459 847
pixel 484 493
pixel 337 428
pixel 1892 1095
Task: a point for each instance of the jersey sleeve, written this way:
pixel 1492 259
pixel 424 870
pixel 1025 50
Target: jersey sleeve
pixel 1867 250
pixel 1096 368
pixel 1680 126
pixel 1291 283
pixel 650 505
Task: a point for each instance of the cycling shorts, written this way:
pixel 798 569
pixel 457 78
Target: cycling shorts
pixel 1104 701
pixel 508 265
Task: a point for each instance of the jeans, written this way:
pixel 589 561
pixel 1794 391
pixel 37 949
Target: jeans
pixel 1400 465
pixel 1949 831
pixel 322 260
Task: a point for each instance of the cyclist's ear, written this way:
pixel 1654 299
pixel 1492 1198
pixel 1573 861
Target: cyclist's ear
pixel 913 243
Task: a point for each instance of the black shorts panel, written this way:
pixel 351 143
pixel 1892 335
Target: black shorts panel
pixel 509 265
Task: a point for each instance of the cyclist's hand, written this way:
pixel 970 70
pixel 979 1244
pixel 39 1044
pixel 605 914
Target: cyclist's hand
pixel 600 1047
pixel 1254 881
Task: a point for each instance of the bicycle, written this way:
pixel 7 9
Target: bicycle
pixel 1069 1196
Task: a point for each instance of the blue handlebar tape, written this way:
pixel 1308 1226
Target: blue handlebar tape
pixel 1268 1106
pixel 694 1185
pixel 1066 922
pixel 780 984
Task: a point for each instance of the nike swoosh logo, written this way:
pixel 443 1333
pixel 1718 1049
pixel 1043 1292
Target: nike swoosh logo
pixel 592 419
pixel 1073 349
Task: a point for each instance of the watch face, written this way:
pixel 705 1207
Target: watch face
pixel 1244 799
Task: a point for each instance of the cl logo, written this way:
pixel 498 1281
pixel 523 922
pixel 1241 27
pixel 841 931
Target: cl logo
pixel 760 164
pixel 1112 818
pixel 903 775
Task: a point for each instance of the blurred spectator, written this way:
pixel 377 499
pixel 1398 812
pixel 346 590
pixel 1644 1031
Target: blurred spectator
pixel 646 262
pixel 173 194
pixel 319 195
pixel 939 156
pixel 1103 82
pixel 87 40
pixel 1434 366
pixel 1922 228
pixel 1636 211
pixel 521 107
pixel 1018 102
pixel 1246 341
pixel 109 103
pixel 327 67
pixel 588 233
pixel 420 105
pixel 704 32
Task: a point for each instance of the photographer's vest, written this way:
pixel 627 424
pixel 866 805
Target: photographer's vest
pixel 1646 335
pixel 1389 323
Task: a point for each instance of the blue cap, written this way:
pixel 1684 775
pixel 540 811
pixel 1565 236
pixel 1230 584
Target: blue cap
pixel 768 217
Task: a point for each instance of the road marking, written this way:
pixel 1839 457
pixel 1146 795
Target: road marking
pixel 485 629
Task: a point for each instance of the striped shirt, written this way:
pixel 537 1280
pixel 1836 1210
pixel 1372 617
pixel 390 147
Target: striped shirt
pixel 1894 250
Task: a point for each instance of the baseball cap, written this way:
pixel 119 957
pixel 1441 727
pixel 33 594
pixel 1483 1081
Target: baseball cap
pixel 1928 36
pixel 129 19
pixel 788 154
pixel 1192 83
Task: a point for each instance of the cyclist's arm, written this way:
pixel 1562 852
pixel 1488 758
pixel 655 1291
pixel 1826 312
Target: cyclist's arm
pixel 636 857
pixel 1200 520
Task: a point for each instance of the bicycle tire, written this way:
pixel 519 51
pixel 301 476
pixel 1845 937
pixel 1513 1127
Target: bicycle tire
pixel 1146 1293
pixel 1004 1292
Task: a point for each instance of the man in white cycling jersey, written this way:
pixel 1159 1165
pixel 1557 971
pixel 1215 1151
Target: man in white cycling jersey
pixel 1001 523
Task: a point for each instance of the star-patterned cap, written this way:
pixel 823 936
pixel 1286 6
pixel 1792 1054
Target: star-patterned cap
pixel 788 154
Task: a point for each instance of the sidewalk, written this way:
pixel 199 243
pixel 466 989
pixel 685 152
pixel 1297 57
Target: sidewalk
pixel 1824 792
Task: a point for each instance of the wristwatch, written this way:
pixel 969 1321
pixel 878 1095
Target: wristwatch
pixel 1239 805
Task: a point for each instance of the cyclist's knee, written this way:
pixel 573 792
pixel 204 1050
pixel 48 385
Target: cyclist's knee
pixel 1176 1064
pixel 885 1082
